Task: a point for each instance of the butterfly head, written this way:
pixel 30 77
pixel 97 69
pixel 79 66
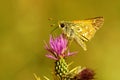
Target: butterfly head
pixel 62 24
pixel 65 26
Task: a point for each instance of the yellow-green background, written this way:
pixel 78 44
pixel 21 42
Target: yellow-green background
pixel 24 26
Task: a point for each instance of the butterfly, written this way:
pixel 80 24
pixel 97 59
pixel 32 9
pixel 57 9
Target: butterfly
pixel 81 30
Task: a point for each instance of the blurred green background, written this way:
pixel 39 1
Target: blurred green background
pixel 24 26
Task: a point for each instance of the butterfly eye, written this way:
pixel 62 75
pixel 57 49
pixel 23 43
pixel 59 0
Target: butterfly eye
pixel 62 25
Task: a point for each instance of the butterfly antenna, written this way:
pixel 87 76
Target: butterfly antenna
pixel 54 29
pixel 51 19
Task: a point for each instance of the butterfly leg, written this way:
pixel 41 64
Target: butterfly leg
pixel 70 41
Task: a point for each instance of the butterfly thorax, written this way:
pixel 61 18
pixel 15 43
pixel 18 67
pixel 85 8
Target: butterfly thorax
pixel 67 28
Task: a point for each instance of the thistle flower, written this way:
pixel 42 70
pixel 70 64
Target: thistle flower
pixel 58 47
pixel 85 74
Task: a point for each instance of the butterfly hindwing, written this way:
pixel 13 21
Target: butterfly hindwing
pixel 80 41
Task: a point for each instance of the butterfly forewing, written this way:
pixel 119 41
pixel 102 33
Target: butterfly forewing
pixel 87 28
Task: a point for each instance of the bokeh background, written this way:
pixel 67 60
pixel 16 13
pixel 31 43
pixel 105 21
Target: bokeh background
pixel 24 26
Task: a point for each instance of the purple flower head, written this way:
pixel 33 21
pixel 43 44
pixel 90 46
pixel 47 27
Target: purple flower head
pixel 58 47
pixel 85 74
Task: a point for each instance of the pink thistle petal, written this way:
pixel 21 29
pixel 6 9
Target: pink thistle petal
pixel 47 47
pixel 71 53
pixel 51 56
